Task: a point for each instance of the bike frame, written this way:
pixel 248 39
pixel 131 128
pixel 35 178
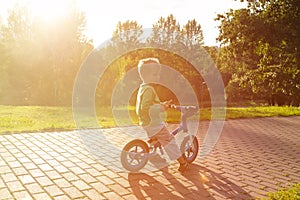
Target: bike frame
pixel 134 160
pixel 186 111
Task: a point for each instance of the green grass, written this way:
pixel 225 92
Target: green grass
pixel 16 119
pixel 292 193
pixel 264 111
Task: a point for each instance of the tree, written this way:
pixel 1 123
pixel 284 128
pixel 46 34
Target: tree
pixel 64 49
pixel 126 36
pixel 165 33
pixel 193 34
pixel 260 48
pixel 43 58
pixel 16 39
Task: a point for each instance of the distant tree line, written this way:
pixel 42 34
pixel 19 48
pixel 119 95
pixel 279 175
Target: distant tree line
pixel 258 57
pixel 38 60
pixel 167 37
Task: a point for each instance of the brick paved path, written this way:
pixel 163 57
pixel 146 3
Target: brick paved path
pixel 252 157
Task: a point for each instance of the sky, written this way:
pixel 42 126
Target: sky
pixel 103 16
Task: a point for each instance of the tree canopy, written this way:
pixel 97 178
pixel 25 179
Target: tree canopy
pixel 258 56
pixel 166 33
pixel 40 61
pixel 260 51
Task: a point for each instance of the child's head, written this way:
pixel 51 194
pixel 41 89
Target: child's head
pixel 149 69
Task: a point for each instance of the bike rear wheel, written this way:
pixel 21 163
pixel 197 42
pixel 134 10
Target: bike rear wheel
pixel 134 155
pixel 190 147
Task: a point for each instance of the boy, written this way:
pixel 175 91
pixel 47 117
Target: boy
pixel 149 107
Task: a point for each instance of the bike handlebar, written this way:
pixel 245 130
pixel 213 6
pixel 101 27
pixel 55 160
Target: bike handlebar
pixel 187 111
pixel 184 108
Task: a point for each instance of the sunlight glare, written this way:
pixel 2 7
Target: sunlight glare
pixel 48 11
pixel 204 178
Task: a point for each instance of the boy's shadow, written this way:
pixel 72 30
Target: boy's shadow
pixel 144 186
pixel 203 184
pixel 215 183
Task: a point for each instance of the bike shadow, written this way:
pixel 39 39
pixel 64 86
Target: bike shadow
pixel 215 183
pixel 197 183
pixel 145 186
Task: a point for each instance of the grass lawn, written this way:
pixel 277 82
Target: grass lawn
pixel 291 193
pixel 16 119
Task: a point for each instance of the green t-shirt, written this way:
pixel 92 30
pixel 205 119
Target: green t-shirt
pixel 148 107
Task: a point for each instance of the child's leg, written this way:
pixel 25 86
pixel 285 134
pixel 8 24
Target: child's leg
pixel 167 140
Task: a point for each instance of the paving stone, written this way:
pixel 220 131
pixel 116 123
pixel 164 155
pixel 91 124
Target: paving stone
pixel 9 158
pixel 247 162
pixel 69 176
pixel 2 162
pixel 73 192
pixel 7 177
pixel 42 196
pixel 24 160
pixel 44 181
pixel 53 175
pixel 93 194
pixel 100 187
pixel 36 173
pixel 25 179
pixel 30 166
pixel 38 161
pixel 53 163
pixel 2 185
pixel 5 170
pixel 112 195
pixel 119 189
pixel 76 170
pixel 105 180
pixel 68 164
pixel 34 188
pixel 15 186
pixel 81 185
pixel 62 183
pixel 14 164
pixel 130 197
pixel 123 182
pixel 61 169
pixel 89 161
pixel 61 197
pixel 5 194
pixel 22 195
pixel 87 178
pixel 53 190
pixel 98 167
pixel 20 171
pixel 45 167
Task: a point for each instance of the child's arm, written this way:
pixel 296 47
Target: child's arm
pixel 147 99
pixel 150 109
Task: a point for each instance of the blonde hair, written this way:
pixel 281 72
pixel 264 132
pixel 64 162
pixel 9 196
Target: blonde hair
pixel 143 62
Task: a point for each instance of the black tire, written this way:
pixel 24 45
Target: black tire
pixel 134 155
pixel 190 147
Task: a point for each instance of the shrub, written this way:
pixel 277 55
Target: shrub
pixel 292 193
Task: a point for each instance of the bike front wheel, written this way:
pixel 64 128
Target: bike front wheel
pixel 190 147
pixel 134 155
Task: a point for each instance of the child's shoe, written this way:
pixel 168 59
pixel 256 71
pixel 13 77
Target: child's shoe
pixel 183 167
